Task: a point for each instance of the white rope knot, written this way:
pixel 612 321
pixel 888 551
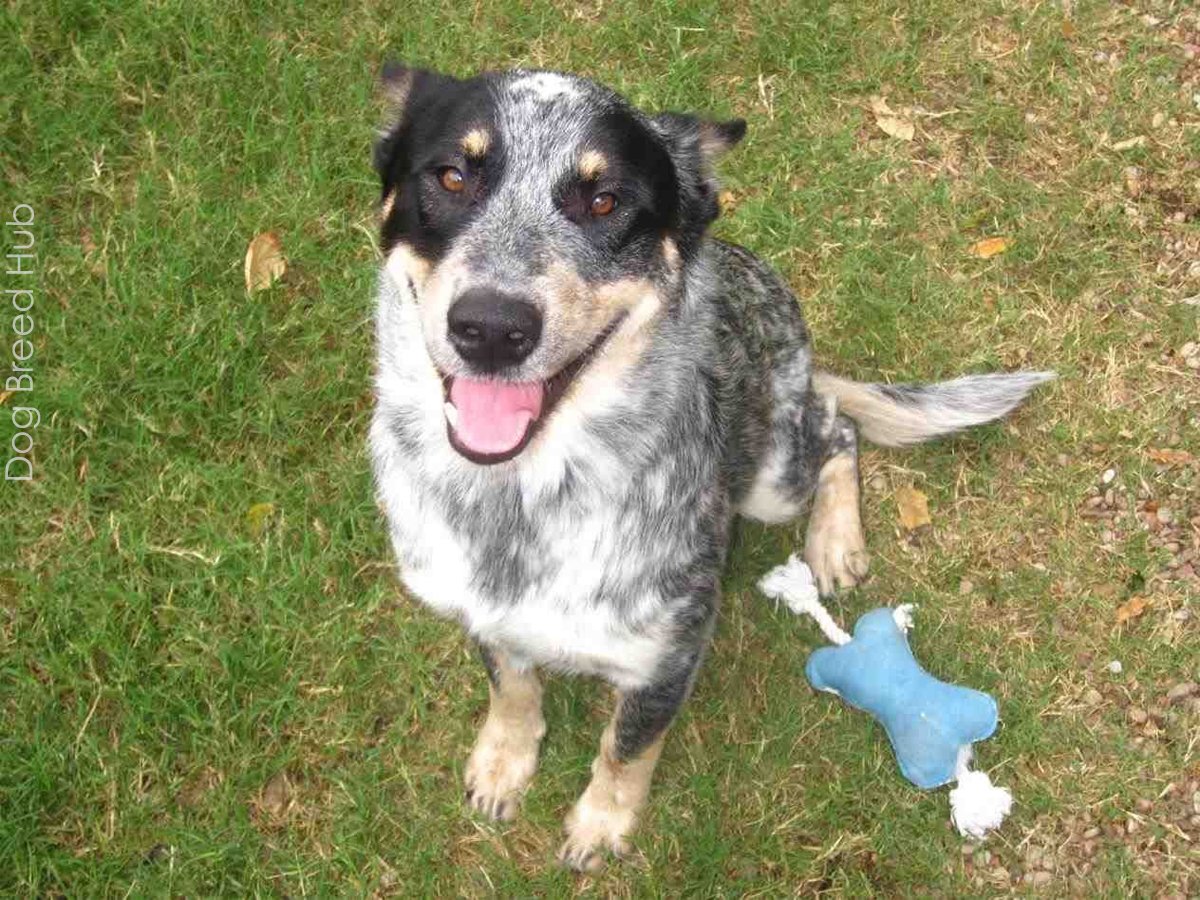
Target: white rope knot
pixel 977 806
pixel 793 584
pixel 902 615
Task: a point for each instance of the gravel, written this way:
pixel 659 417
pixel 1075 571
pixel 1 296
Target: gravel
pixel 1182 691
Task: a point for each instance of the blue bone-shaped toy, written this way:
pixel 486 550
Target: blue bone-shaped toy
pixel 926 720
pixel 931 724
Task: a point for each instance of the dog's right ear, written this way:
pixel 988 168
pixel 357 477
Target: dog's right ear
pixel 406 93
pixel 395 81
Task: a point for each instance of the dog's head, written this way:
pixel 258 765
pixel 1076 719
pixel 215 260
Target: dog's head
pixel 539 222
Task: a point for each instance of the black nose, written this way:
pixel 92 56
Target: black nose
pixel 491 330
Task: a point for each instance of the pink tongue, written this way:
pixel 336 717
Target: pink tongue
pixel 493 416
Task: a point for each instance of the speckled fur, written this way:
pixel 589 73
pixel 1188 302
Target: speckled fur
pixel 599 548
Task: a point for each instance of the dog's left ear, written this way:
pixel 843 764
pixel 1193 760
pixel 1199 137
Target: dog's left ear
pixel 718 138
pixel 692 139
pixel 695 145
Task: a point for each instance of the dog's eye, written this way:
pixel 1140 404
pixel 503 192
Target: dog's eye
pixel 451 179
pixel 603 204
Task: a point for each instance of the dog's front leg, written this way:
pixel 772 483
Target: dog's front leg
pixel 506 751
pixel 629 748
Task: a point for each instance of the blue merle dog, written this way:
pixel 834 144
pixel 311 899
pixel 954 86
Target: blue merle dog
pixel 578 389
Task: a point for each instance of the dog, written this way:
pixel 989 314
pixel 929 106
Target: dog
pixel 577 390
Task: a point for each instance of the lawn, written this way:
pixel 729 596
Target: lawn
pixel 210 682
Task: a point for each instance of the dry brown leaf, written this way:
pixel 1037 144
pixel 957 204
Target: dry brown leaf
pixel 989 247
pixel 257 516
pixel 276 795
pixel 728 202
pixel 4 395
pixel 913 507
pixel 1131 609
pixel 1068 29
pixel 879 106
pixel 1171 457
pixel 896 127
pixel 1135 184
pixel 264 262
pixel 1129 144
pixel 892 123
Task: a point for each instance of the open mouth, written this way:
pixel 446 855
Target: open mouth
pixel 491 421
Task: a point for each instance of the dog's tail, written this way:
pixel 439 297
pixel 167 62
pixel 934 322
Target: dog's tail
pixel 894 415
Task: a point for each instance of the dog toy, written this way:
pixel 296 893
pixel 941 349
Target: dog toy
pixel 931 724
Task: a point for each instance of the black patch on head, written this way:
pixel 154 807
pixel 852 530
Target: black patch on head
pixel 435 112
pixel 638 171
pixel 660 170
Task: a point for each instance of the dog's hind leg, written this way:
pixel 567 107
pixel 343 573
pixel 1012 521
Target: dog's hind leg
pixel 813 458
pixel 506 751
pixel 834 547
pixel 605 814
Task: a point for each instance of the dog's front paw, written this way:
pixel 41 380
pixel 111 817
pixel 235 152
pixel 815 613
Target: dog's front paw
pixel 592 829
pixel 836 551
pixel 500 769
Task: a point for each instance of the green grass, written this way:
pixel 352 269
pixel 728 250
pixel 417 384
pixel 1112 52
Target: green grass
pixel 195 705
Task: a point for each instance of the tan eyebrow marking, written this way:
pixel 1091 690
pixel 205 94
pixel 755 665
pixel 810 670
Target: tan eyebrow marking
pixel 475 143
pixel 592 165
pixel 671 254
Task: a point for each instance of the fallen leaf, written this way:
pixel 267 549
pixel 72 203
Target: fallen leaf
pixel 913 507
pixel 276 795
pixel 879 106
pixel 896 127
pixel 87 242
pixel 1130 143
pixel 1131 609
pixel 892 123
pixel 1171 457
pixel 264 262
pixel 989 247
pixel 257 516
pixel 1068 29
pixel 4 395
pixel 728 202
pixel 1134 182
